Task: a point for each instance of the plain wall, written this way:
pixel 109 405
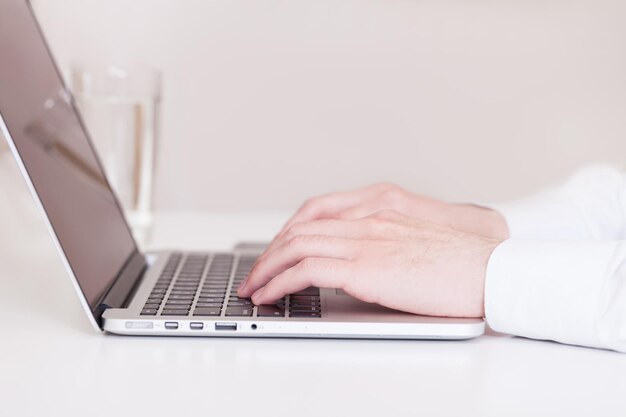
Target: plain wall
pixel 267 102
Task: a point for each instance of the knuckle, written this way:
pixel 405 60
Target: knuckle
pixel 385 185
pixel 384 214
pixel 258 266
pixel 308 265
pixel 373 224
pixel 393 194
pixel 301 241
pixel 292 242
pixel 296 230
pixel 348 214
pixel 310 204
pixel 288 238
pixel 293 231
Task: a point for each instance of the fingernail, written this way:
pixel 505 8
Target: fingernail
pixel 257 295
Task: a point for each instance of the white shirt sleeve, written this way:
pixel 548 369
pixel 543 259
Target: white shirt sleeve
pixel 591 205
pixel 562 274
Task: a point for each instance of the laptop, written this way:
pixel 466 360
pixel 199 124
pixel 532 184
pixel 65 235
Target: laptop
pixel 167 293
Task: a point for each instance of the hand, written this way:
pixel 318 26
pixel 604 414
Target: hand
pixel 386 258
pixel 361 203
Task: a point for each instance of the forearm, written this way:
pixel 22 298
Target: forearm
pixel 569 292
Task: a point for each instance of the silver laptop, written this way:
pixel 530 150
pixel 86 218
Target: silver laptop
pixel 125 291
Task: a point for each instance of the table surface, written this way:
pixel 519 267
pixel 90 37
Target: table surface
pixel 53 362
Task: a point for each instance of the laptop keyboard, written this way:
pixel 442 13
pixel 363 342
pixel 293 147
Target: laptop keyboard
pixel 206 285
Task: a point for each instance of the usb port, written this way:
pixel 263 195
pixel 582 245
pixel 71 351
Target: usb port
pixel 225 326
pixel 196 325
pixel 171 325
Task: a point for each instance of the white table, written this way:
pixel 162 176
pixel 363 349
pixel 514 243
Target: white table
pixel 53 363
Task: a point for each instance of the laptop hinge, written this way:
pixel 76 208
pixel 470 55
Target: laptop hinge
pixel 120 292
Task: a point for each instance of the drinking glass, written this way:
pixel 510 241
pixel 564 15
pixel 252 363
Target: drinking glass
pixel 3 144
pixel 120 108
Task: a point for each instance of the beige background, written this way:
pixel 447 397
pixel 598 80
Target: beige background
pixel 267 102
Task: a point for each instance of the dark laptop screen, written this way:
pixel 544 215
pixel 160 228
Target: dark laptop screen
pixel 58 156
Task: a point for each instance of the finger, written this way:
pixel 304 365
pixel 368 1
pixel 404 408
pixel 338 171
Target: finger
pixel 329 204
pixel 310 272
pixel 320 207
pixel 359 211
pixel 330 227
pixel 373 226
pixel 291 253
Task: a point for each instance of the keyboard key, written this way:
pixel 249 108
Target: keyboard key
pixel 181 297
pixel 239 311
pixel 185 286
pixel 304 309
pixel 210 299
pixel 152 306
pixel 215 284
pixel 212 295
pixel 181 302
pixel 183 292
pixel 148 312
pixel 239 303
pixel 309 291
pixel 305 315
pixel 159 291
pixel 174 312
pixel 304 298
pixel 165 277
pixel 153 300
pixel 237 298
pixel 270 311
pixel 177 307
pixel 304 304
pixel 162 286
pixel 212 291
pixel 209 305
pixel 206 312
pixel 212 286
pixel 188 280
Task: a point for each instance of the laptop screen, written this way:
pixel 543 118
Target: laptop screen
pixel 58 157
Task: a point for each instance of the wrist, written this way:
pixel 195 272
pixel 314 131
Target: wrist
pixel 479 220
pixel 487 247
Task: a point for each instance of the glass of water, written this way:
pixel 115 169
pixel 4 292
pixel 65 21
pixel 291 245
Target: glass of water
pixel 120 108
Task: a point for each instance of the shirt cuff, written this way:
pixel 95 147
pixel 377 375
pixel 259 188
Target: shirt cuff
pixel 552 290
